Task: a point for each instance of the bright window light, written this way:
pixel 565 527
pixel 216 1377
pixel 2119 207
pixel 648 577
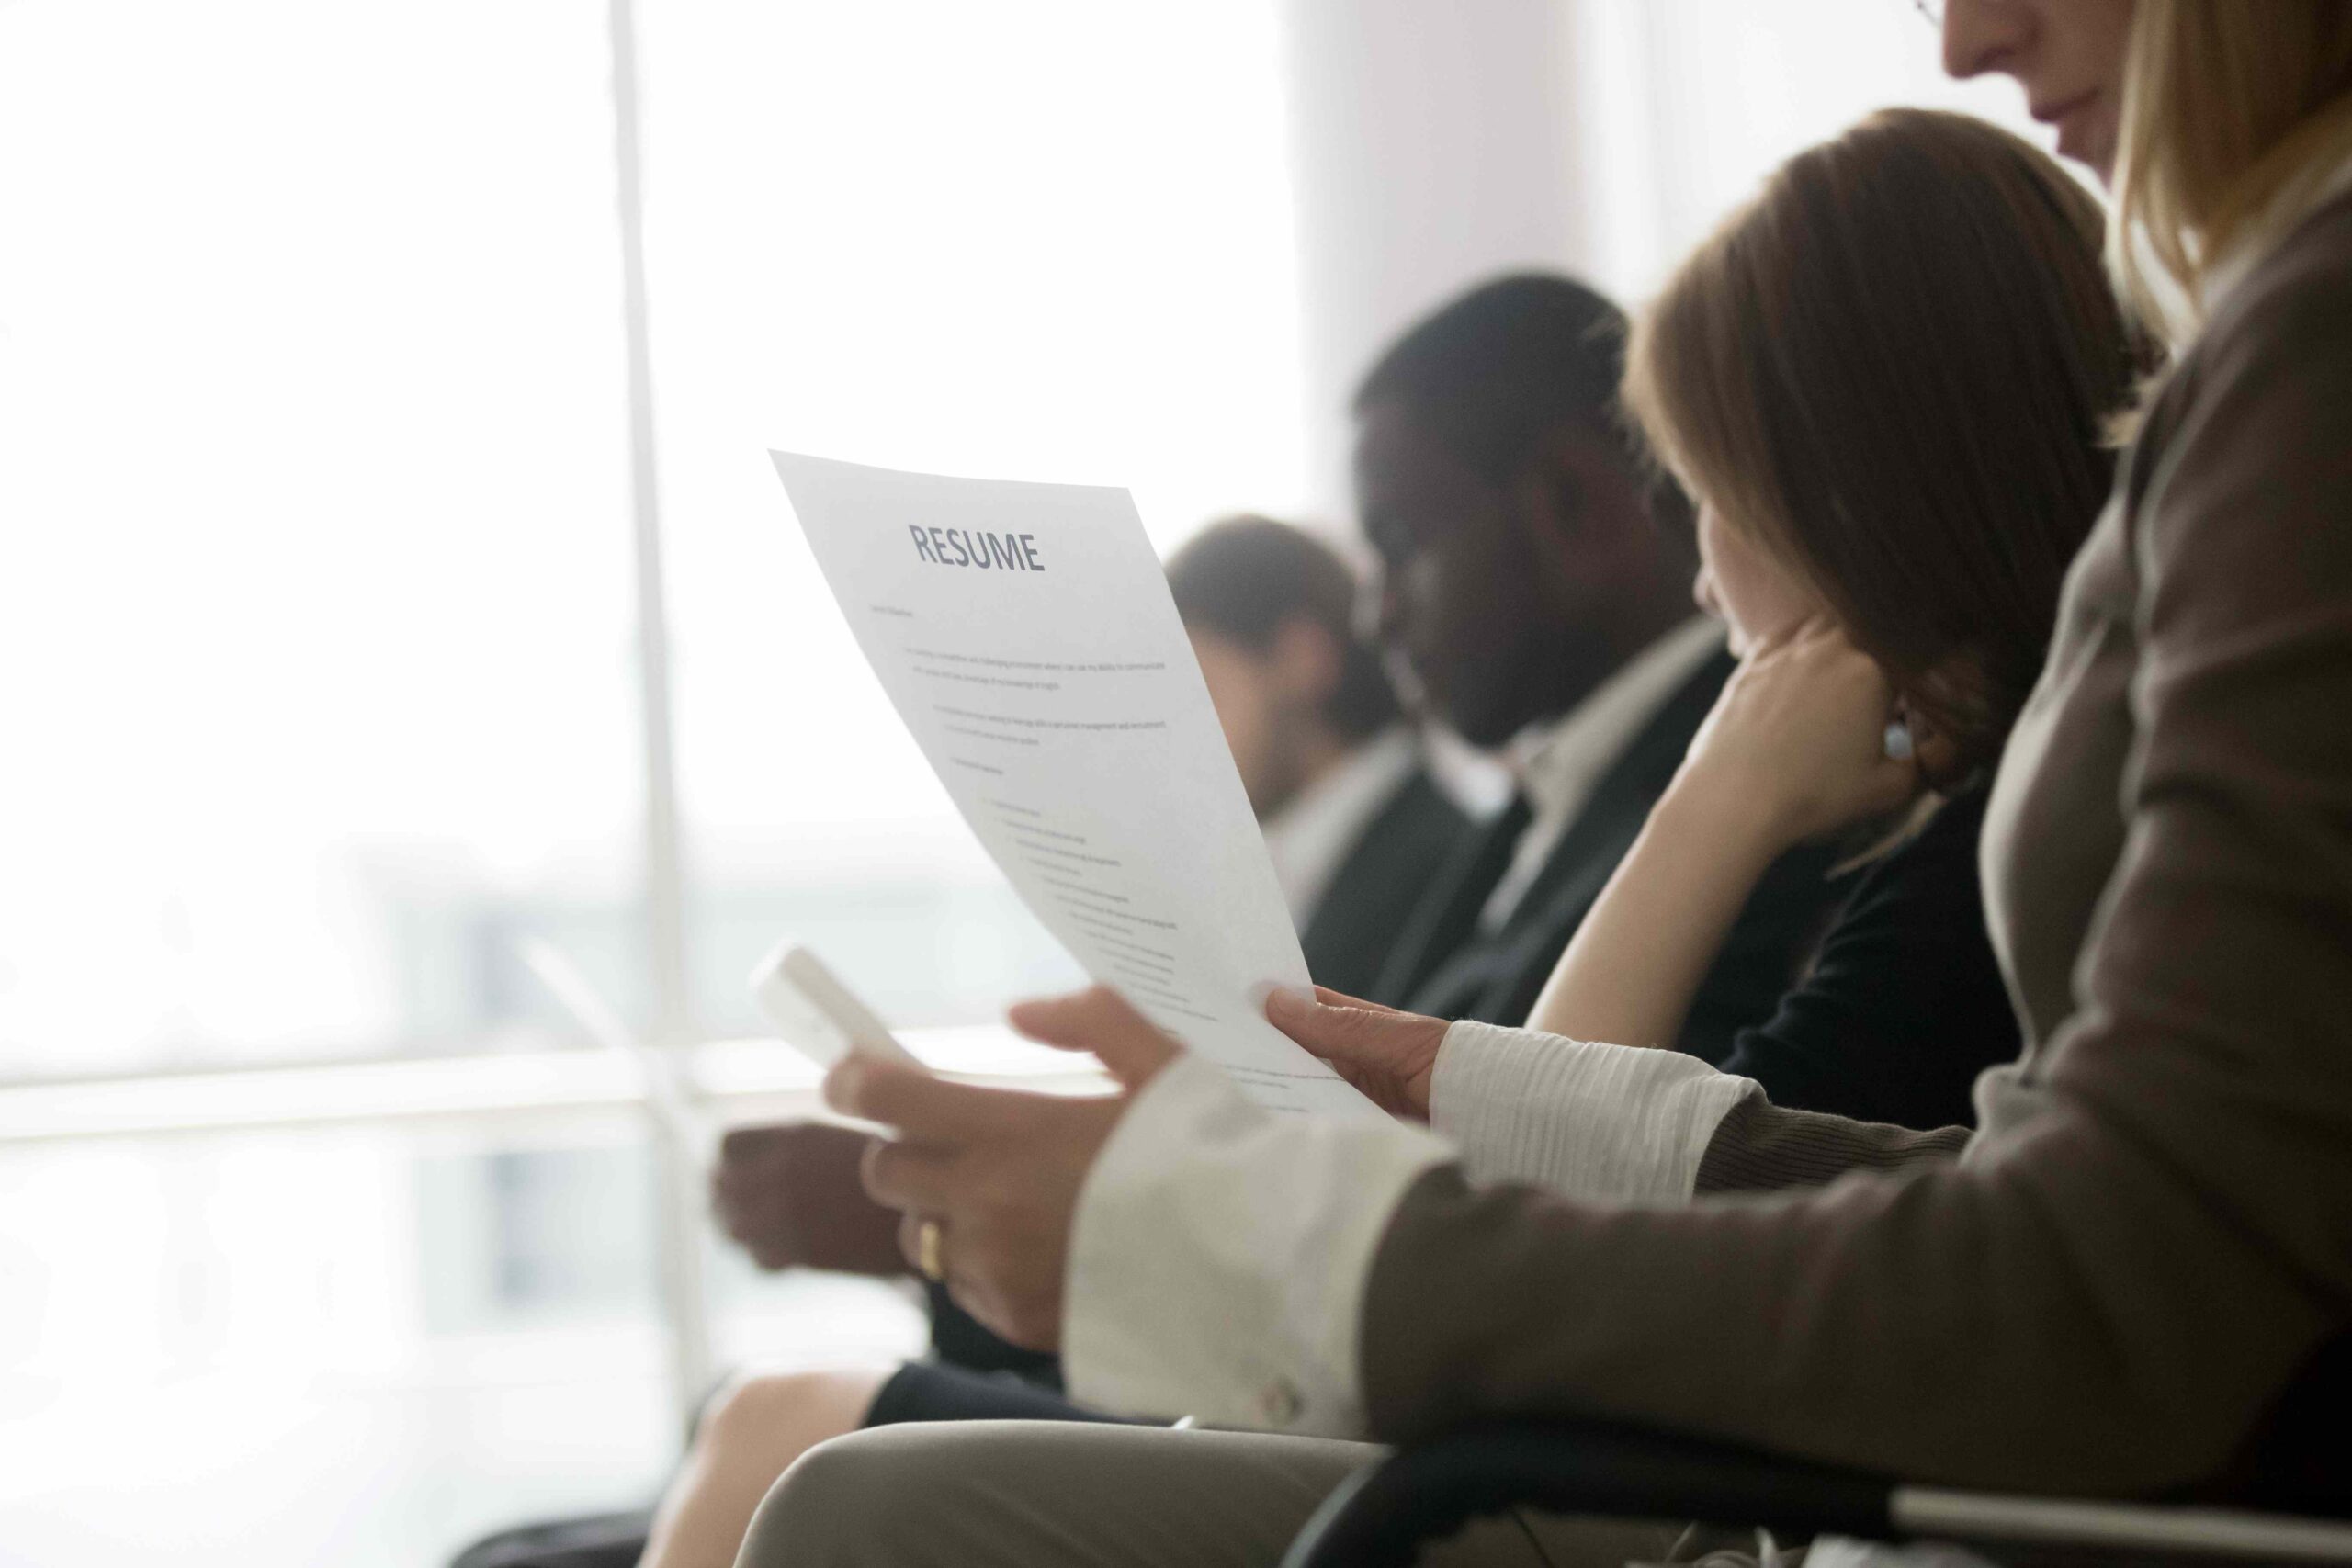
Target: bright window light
pixel 315 624
pixel 1047 239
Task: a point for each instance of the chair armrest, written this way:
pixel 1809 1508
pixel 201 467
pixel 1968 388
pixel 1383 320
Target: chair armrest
pixel 1380 1517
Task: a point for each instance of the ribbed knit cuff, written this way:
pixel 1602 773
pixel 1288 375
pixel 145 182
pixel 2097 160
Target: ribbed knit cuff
pixel 1589 1121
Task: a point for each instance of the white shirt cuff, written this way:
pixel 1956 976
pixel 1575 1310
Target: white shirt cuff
pixel 1586 1120
pixel 1218 1257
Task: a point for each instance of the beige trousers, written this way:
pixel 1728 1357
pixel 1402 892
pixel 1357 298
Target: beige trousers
pixel 1051 1495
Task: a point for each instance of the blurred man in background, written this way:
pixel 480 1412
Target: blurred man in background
pixel 1354 823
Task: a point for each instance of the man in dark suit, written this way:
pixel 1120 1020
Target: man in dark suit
pixel 1535 586
pixel 1356 826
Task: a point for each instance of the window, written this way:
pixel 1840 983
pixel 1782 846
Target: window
pixel 315 629
pixel 320 640
pixel 1043 239
pixel 319 662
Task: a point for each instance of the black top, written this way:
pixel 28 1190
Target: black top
pixel 962 1340
pixel 1872 995
pixel 1350 932
pixel 1447 965
pixel 1903 1004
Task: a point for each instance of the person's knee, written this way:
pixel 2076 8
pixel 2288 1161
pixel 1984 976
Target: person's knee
pixel 1030 1494
pixel 833 1506
pixel 749 1401
pixel 757 1411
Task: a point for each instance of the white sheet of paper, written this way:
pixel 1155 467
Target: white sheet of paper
pixel 1026 635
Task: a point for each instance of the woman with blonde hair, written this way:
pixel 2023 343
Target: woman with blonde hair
pixel 2134 1279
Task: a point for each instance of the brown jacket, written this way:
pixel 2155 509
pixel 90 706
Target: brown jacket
pixel 2149 1242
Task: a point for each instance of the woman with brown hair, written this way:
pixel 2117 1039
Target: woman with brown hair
pixel 1885 382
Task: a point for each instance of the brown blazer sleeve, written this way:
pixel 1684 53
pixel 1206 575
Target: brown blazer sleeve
pixel 1759 1147
pixel 2154 1229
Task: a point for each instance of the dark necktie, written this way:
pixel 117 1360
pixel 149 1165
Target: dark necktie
pixel 1449 919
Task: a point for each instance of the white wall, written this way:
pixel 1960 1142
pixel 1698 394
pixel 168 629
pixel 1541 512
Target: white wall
pixel 1431 144
pixel 1436 144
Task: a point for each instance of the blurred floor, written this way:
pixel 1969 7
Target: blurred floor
pixel 391 1379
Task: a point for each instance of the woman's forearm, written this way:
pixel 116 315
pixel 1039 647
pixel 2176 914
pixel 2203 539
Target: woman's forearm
pixel 1637 960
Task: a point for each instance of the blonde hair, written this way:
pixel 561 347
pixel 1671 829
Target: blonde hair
pixel 2234 111
pixel 1894 369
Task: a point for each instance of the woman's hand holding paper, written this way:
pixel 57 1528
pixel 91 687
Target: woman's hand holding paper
pixel 1390 1056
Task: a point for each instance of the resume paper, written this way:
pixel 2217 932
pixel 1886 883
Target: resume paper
pixel 1026 634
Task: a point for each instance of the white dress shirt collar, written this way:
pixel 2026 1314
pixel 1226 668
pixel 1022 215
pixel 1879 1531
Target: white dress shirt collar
pixel 1311 837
